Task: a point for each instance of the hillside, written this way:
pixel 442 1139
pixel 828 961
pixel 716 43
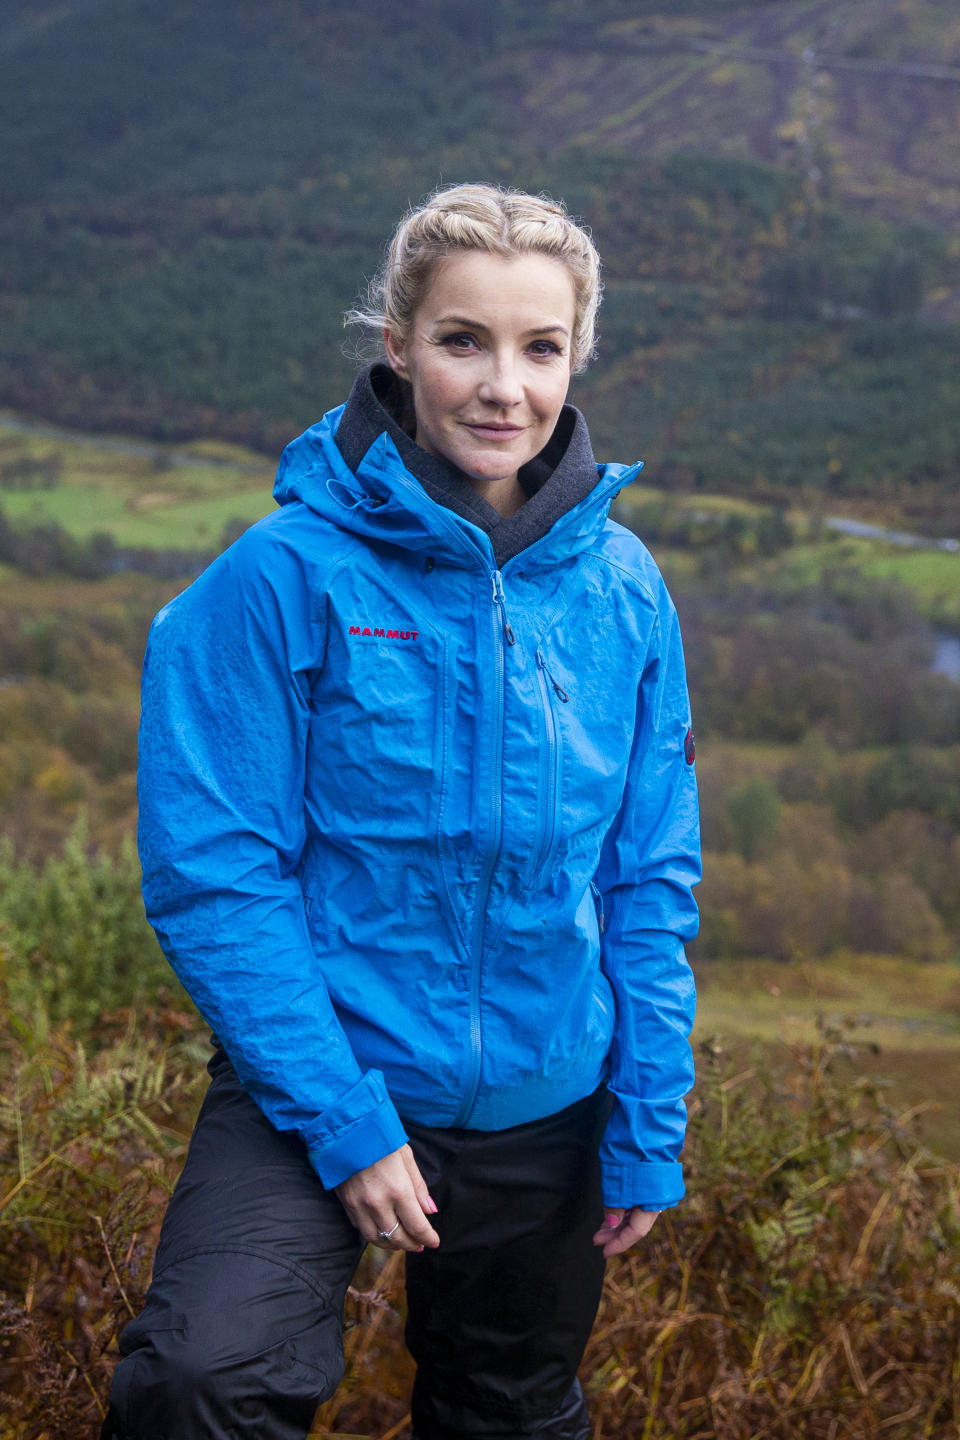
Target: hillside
pixel 861 98
pixel 194 195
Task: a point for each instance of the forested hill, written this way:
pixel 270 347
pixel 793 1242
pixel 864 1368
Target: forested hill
pixel 192 194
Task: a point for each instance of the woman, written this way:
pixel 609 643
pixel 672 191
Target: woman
pixel 419 831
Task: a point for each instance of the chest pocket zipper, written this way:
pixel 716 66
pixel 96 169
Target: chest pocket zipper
pixel 549 808
pixel 558 689
pixel 598 904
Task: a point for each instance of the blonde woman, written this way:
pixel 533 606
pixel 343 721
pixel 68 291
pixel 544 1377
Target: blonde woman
pixel 419 834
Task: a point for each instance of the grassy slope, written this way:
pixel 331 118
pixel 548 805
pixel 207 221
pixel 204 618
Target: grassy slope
pixel 931 576
pixel 902 1023
pixel 919 1009
pixel 156 502
pixel 752 95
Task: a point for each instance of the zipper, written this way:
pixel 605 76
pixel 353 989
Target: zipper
pixel 500 600
pixel 559 691
pixel 503 636
pixel 549 771
pixel 598 903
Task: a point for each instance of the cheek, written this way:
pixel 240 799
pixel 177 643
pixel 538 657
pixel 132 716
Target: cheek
pixel 438 389
pixel 552 393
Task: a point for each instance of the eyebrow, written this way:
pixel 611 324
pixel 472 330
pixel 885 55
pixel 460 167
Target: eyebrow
pixel 551 329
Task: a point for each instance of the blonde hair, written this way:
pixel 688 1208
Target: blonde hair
pixel 489 218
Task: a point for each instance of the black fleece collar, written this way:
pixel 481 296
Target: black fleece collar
pixel 556 480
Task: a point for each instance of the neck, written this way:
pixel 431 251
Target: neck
pixel 506 495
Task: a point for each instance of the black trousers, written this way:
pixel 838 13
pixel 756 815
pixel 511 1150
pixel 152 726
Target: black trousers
pixel 241 1335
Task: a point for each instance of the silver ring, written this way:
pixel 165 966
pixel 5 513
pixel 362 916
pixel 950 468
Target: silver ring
pixel 385 1234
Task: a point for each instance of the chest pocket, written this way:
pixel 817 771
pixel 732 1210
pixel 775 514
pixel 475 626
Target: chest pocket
pixel 375 762
pixel 591 710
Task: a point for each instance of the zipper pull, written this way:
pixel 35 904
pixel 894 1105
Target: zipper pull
pixel 500 599
pixel 598 901
pixel 560 692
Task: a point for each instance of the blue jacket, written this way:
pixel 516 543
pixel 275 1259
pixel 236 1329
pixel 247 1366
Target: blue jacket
pixel 418 835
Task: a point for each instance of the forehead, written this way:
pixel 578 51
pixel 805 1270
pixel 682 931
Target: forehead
pixel 528 291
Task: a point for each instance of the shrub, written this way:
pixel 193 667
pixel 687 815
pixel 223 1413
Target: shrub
pixel 89 1148
pixel 754 812
pixel 809 1285
pixel 74 939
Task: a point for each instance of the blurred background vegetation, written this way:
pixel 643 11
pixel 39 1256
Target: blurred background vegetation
pixel 192 196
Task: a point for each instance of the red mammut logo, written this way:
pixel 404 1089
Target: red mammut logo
pixel 379 633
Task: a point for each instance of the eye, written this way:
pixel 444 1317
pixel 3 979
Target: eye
pixel 459 340
pixel 545 348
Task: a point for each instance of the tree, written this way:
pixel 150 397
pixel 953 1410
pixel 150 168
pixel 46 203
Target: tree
pixel 755 813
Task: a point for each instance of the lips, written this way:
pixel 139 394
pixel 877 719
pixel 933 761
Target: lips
pixel 495 432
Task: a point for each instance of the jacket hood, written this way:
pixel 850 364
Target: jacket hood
pixel 376 494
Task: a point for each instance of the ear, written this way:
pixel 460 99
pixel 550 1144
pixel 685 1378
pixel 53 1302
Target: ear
pixel 396 353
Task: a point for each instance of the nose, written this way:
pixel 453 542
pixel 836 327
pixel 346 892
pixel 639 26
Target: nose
pixel 501 385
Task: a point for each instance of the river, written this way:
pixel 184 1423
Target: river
pixel 946 657
pixel 846 526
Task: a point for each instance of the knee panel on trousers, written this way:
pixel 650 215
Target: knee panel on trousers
pixel 252 1355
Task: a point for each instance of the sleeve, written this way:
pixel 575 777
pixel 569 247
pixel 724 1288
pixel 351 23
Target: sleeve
pixel 223 744
pixel 649 864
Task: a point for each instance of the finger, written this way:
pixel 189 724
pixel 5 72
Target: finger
pixel 389 1191
pixel 416 1232
pixel 387 1233
pixel 612 1221
pixel 370 1220
pixel 424 1199
pixel 635 1226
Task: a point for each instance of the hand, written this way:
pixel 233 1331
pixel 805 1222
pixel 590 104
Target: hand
pixel 391 1189
pixel 623 1228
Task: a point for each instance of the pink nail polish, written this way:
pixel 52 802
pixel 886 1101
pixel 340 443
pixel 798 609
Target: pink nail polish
pixel 611 1222
pixel 431 1206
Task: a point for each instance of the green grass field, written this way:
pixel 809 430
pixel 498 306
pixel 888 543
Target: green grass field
pixel 902 1024
pixel 155 500
pixel 932 576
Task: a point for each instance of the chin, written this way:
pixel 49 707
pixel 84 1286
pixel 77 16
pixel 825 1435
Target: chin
pixel 489 473
pixel 491 467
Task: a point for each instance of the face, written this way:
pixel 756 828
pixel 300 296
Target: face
pixel 489 355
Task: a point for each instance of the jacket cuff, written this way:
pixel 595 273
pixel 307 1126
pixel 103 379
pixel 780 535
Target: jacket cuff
pixel 647 1184
pixel 346 1141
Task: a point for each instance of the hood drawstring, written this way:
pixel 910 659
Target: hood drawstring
pixel 333 485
